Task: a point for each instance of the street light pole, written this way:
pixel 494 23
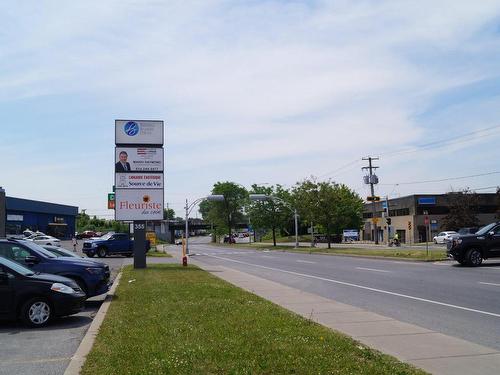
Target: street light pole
pixel 296 219
pixel 189 207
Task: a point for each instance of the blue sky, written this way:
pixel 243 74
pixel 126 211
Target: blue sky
pixel 250 91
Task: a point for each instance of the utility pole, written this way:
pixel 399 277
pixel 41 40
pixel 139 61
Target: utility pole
pixel 372 180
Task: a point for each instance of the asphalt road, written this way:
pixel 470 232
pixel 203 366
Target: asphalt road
pixel 48 350
pixel 457 301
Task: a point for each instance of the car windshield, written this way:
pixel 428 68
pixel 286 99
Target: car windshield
pixel 16 267
pixel 107 236
pixel 486 229
pixel 38 249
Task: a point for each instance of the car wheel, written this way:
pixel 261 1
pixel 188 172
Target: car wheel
pixel 36 312
pixel 90 254
pixel 101 252
pixel 435 241
pixel 49 244
pixel 474 258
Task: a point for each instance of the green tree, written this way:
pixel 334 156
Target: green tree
pixel 270 214
pixel 333 206
pixel 463 206
pixel 168 214
pixel 225 214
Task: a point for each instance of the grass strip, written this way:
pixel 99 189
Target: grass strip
pixel 158 254
pixel 167 319
pixel 400 253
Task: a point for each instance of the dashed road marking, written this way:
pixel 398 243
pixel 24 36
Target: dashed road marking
pixel 489 283
pixel 371 269
pixel 305 261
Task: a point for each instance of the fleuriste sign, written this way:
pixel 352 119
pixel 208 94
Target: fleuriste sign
pixel 143 204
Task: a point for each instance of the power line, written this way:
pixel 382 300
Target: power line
pixel 444 179
pixel 446 142
pixel 340 168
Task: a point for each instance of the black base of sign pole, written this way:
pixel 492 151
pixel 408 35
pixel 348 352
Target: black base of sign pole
pixel 139 244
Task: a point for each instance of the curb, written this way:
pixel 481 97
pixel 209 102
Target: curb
pixel 78 359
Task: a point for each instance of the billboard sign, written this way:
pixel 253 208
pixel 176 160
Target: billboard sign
pixel 136 204
pixel 350 233
pixel 138 159
pixel 139 132
pixel 139 180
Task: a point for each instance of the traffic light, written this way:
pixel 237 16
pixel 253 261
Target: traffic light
pixel 373 199
pixel 388 220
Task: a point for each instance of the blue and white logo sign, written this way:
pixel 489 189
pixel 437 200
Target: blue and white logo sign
pixel 131 128
pixel 138 132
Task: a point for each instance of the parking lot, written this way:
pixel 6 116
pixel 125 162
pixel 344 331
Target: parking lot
pixel 48 350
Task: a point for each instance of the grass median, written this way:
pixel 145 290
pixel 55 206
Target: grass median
pixel 398 252
pixel 167 319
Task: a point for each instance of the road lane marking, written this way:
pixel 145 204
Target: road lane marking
pixel 489 283
pixel 362 287
pixel 268 257
pixel 371 269
pixel 305 261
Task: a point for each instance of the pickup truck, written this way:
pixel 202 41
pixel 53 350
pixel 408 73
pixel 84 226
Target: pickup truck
pixel 473 248
pixel 110 244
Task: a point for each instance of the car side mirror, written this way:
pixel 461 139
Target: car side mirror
pixel 491 234
pixel 30 259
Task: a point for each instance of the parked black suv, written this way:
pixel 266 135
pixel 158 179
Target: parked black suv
pixel 36 297
pixel 473 248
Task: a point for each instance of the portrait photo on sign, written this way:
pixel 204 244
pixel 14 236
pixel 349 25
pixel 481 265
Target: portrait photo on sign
pixel 138 159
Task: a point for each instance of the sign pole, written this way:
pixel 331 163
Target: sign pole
pixel 139 244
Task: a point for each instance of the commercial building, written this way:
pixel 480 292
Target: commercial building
pixel 409 215
pixel 53 219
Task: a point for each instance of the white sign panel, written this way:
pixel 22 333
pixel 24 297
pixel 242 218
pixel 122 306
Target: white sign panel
pixel 139 180
pixel 138 204
pixel 138 132
pixel 15 218
pixel 140 159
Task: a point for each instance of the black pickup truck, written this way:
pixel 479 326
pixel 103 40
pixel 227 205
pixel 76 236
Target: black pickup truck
pixel 473 248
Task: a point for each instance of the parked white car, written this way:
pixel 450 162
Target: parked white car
pixel 45 240
pixel 444 237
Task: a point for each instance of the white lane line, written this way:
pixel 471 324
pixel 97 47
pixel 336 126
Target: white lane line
pixel 362 287
pixel 371 269
pixel 305 261
pixel 268 257
pixel 489 283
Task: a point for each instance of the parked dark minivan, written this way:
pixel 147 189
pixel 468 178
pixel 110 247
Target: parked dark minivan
pixel 35 297
pixel 91 277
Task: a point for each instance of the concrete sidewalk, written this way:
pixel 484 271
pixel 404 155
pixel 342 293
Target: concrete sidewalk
pixel 426 349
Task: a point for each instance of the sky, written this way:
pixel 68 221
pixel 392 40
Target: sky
pixel 266 92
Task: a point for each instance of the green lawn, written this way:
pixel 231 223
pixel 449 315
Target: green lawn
pixel 175 320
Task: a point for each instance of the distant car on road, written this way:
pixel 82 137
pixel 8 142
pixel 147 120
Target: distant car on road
pixel 471 249
pixel 36 298
pixel 91 277
pixel 45 240
pixel 86 234
pixel 444 237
